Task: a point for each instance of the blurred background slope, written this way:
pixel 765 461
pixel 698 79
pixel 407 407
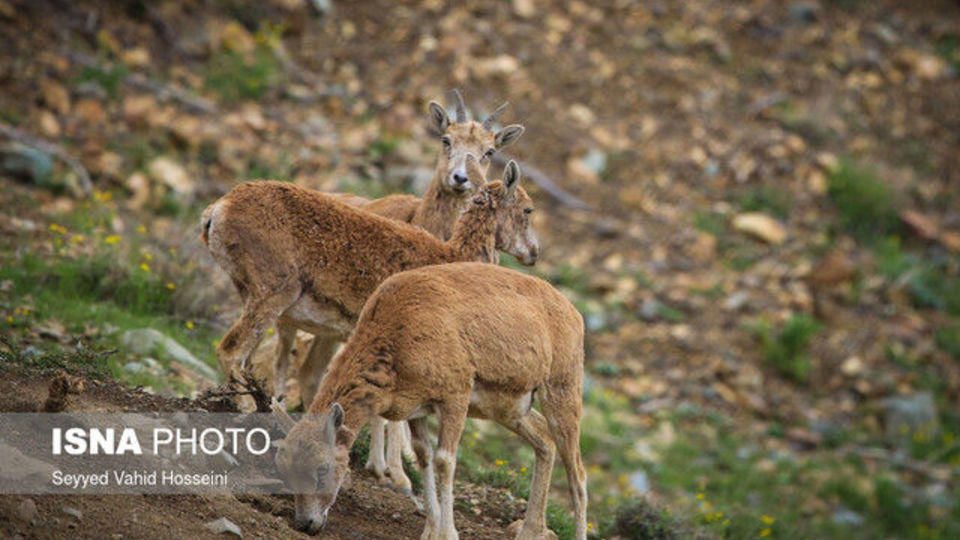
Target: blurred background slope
pixel 768 267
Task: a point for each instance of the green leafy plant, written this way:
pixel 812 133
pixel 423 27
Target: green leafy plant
pixel 236 76
pixel 866 205
pixel 786 348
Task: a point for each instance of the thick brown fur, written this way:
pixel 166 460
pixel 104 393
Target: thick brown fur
pixel 311 259
pixel 457 339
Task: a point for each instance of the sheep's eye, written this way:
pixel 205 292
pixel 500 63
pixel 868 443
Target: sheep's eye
pixel 322 471
pixel 489 153
pixel 528 211
pixel 446 142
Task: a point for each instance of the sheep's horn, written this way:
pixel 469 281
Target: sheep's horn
pixel 488 122
pixel 461 108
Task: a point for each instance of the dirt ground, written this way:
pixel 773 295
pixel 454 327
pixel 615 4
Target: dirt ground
pixel 363 511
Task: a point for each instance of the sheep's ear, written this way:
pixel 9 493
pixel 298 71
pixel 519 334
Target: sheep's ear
pixel 439 121
pixel 511 177
pixel 507 135
pixel 336 416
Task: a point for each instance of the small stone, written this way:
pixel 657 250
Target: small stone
pixel 26 163
pixel 55 96
pixel 852 366
pixel 139 109
pixel 90 111
pixel 804 12
pixel 138 57
pixel 650 309
pixel 71 511
pixel 172 174
pixel 139 186
pixel 639 482
pixel 844 516
pixel 145 341
pixel 760 226
pixel 524 8
pixel 736 301
pixel 595 161
pixel 224 526
pixel 910 416
pixel 49 126
pixel 27 510
pixel 582 115
pixel 133 367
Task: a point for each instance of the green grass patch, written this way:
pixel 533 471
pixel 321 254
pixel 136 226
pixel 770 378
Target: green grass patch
pixel 948 340
pixel 641 519
pixel 866 205
pixel 785 348
pixel 710 223
pixel 235 76
pixel 741 488
pixel 108 76
pixel 80 360
pixel 931 282
pixel 775 201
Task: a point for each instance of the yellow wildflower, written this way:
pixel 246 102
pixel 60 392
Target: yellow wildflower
pixel 112 239
pixel 767 519
pixel 270 331
pixel 700 496
pixel 189 325
pixel 523 469
pixel 77 238
pixel 145 267
pixel 173 251
pixel 142 229
pixel 59 229
pixel 171 286
pixel 766 532
pixel 9 318
pixel 499 463
pixel 147 256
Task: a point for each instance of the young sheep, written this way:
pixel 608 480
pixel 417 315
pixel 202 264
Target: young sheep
pixel 456 340
pixel 436 212
pixel 311 261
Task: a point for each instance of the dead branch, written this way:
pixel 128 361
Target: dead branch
pixel 86 186
pixel 162 90
pixel 254 388
pixel 544 182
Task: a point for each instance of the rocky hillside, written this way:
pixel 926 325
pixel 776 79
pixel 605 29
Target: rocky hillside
pixel 754 205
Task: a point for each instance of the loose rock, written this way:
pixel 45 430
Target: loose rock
pixel 760 226
pixel 224 526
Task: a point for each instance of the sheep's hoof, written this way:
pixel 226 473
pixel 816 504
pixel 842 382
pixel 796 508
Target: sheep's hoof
pixel 515 531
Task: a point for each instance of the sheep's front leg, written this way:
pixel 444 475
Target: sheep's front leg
pixel 396 435
pixel 375 459
pixel 242 339
pixel 453 415
pixel 424 452
pixel 285 336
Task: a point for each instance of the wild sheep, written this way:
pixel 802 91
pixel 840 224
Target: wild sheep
pixel 457 340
